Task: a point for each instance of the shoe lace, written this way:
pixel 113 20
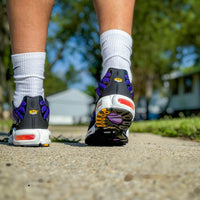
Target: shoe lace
pixel 93 116
pixel 44 109
pixel 128 83
pixel 103 83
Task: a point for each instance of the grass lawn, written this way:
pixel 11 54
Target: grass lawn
pixel 182 127
pixel 5 125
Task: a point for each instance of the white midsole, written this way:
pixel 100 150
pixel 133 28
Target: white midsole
pixel 111 101
pixel 41 136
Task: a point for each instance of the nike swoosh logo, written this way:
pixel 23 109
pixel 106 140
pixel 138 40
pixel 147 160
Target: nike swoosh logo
pixel 15 67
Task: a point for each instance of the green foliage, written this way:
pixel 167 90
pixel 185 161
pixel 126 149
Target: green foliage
pixel 161 30
pixel 6 86
pixel 190 70
pixel 53 84
pixel 5 125
pixel 91 90
pixel 72 75
pixel 185 127
pixel 75 29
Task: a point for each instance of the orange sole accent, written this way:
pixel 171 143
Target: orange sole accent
pixel 46 145
pixel 24 137
pixel 100 119
pixel 126 102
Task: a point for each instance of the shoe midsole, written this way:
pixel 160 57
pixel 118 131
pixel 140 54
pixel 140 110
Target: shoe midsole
pixel 31 136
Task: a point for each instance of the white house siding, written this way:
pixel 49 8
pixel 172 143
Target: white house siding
pixel 69 107
pixel 185 101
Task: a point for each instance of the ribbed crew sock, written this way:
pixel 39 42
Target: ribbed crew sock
pixel 116 50
pixel 28 74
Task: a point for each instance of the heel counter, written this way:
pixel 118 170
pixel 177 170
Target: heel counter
pixel 117 84
pixel 33 118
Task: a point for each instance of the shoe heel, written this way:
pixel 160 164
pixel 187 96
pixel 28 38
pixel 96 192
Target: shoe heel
pixel 30 137
pixel 115 112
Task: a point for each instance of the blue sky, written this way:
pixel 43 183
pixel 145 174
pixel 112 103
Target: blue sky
pixel 70 58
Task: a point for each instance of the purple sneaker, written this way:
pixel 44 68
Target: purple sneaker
pixel 114 110
pixel 31 123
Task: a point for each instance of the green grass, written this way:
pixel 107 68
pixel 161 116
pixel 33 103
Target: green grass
pixel 59 139
pixel 183 127
pixel 5 125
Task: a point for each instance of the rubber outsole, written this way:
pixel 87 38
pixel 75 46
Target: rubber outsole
pixel 114 118
pixel 111 127
pixel 107 137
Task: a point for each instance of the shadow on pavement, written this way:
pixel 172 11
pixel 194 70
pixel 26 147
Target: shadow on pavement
pixel 3 140
pixel 78 144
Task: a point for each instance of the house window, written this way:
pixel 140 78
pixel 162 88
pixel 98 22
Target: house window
pixel 175 85
pixel 188 84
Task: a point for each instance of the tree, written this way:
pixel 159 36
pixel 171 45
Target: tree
pixel 75 28
pixel 6 86
pixel 161 30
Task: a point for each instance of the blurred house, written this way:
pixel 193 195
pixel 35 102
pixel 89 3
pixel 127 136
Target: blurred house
pixel 70 107
pixel 156 107
pixel 184 92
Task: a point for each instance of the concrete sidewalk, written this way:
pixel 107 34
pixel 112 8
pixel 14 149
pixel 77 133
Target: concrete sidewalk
pixel 150 167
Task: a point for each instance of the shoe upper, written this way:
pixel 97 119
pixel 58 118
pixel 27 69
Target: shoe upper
pixel 33 113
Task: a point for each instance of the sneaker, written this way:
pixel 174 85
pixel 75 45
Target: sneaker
pixel 31 123
pixel 114 110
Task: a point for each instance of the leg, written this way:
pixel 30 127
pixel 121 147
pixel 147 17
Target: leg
pixel 28 22
pixel 114 109
pixel 115 14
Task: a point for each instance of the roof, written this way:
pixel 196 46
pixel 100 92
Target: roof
pixel 73 95
pixel 179 74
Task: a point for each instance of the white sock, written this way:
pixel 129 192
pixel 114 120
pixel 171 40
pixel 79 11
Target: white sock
pixel 28 74
pixel 116 50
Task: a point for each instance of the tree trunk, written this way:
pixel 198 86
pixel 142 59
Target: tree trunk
pixel 149 92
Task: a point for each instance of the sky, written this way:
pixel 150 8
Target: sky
pixel 62 66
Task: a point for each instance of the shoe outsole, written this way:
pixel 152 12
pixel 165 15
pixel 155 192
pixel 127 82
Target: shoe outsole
pixel 107 137
pixel 114 118
pixel 112 124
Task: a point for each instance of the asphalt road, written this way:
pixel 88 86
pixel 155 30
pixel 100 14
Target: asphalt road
pixel 149 167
